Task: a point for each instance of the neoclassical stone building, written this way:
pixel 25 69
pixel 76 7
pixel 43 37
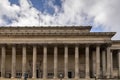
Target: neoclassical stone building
pixel 53 53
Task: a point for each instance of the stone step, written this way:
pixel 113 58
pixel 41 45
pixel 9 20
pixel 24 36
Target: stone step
pixel 54 79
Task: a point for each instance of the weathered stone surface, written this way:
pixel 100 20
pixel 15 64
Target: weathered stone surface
pixel 35 53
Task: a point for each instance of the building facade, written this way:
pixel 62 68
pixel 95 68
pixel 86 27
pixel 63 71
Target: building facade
pixel 55 53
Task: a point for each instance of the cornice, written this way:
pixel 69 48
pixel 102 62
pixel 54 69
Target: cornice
pixel 51 31
pixel 46 27
pixel 109 34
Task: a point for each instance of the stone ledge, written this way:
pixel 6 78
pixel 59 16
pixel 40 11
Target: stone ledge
pixel 55 79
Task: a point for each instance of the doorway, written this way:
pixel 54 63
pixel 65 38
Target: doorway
pixel 37 75
pixel 70 74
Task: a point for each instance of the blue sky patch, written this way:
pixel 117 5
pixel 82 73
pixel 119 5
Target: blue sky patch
pixel 14 2
pixel 42 5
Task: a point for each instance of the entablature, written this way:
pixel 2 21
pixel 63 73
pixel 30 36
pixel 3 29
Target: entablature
pixel 115 44
pixel 68 34
pixel 55 40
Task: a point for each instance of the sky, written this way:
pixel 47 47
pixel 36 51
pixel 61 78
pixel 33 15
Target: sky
pixel 102 15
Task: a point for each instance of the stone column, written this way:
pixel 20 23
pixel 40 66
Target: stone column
pixel 119 63
pixel 13 74
pixel 76 62
pixel 97 61
pixel 55 61
pixel 3 52
pixel 103 62
pixel 34 60
pixel 108 62
pixel 87 68
pixel 66 61
pixel 44 62
pixel 23 60
pixel 111 60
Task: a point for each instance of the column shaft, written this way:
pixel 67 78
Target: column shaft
pixel 119 63
pixel 45 62
pixel 3 52
pixel 23 61
pixel 76 62
pixel 34 60
pixel 111 59
pixel 87 74
pixel 13 61
pixel 66 61
pixel 55 61
pixel 103 62
pixel 108 62
pixel 97 61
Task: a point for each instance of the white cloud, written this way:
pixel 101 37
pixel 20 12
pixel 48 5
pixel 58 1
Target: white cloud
pixel 73 12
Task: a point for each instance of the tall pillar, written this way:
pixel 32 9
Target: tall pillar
pixel 3 52
pixel 13 62
pixel 44 62
pixel 23 60
pixel 87 68
pixel 103 62
pixel 76 62
pixel 34 60
pixel 119 63
pixel 111 63
pixel 97 61
pixel 108 62
pixel 55 61
pixel 66 61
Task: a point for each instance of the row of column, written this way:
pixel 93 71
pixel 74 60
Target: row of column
pixel 111 63
pixel 87 68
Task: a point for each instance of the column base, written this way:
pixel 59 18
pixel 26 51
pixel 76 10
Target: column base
pixel 12 77
pixel 87 77
pixel 54 77
pixel 97 77
pixel 22 78
pixel 33 77
pixel 108 77
pixel 76 77
pixel 65 78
